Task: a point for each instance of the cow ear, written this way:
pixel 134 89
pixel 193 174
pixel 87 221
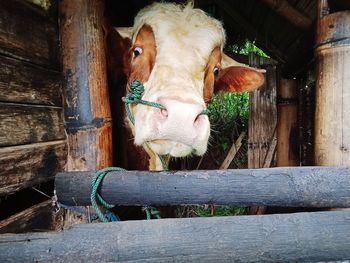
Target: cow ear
pixel 238 79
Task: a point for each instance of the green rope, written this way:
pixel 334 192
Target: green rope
pixel 134 97
pixel 151 211
pixel 95 197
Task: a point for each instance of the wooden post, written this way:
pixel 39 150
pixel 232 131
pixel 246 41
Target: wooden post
pixel 332 122
pixel 87 109
pixel 287 123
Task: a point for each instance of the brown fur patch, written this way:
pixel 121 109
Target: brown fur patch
pixel 141 66
pixel 209 77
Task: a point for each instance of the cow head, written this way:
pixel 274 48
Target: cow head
pixel 176 52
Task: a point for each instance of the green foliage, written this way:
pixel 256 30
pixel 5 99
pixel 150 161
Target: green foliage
pixel 229 114
pixel 209 210
pixel 245 48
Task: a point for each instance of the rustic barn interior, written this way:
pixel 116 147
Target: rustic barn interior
pixel 48 122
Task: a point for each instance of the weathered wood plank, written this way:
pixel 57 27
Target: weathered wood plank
pixel 300 237
pixel 232 152
pixel 40 217
pixel 262 119
pixel 28 35
pixel 26 83
pixel 27 165
pixel 287 123
pixel 270 152
pixel 284 186
pixel 24 124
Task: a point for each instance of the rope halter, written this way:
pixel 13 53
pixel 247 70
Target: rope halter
pixel 134 97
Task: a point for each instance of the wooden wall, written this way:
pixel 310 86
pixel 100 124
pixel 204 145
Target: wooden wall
pixel 32 136
pixel 263 117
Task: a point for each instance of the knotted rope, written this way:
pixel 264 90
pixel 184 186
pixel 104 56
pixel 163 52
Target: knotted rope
pixel 134 97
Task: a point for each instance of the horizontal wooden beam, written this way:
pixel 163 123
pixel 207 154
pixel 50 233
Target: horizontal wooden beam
pixel 24 82
pixel 26 165
pixel 28 34
pixel 39 217
pixel 283 186
pixel 25 123
pixel 286 10
pixel 300 237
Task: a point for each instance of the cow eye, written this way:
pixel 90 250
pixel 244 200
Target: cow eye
pixel 137 51
pixel 216 71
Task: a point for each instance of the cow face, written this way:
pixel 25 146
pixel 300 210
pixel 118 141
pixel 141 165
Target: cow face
pixel 176 52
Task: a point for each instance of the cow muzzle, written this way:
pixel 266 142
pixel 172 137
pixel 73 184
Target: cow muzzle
pixel 179 129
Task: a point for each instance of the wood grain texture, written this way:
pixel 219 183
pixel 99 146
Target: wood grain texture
pixel 287 124
pixel 262 119
pixel 40 217
pixel 90 149
pixel 332 122
pixel 289 187
pixel 26 165
pixel 86 91
pixel 87 108
pixel 268 162
pixel 24 124
pixel 26 83
pixel 27 34
pixel 300 237
pixel 232 152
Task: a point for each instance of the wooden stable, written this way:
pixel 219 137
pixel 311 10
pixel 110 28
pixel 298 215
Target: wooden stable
pixel 55 116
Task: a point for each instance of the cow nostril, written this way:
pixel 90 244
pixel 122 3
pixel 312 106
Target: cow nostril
pixel 164 112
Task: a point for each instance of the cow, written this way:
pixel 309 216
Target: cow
pixel 176 52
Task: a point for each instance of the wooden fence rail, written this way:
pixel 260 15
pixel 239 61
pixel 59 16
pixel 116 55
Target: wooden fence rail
pixel 300 237
pixel 283 186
